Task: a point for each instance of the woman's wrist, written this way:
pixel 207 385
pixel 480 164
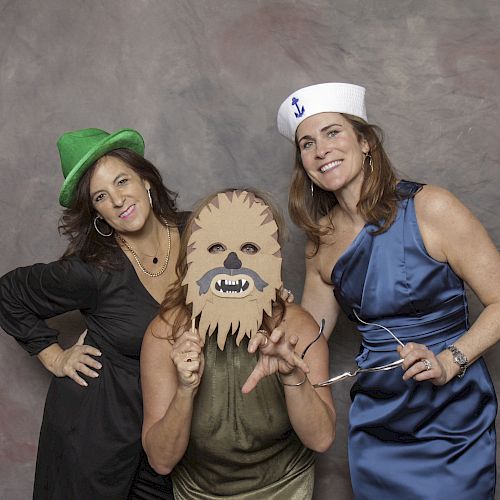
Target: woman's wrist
pixel 49 358
pixel 186 391
pixel 294 378
pixel 450 368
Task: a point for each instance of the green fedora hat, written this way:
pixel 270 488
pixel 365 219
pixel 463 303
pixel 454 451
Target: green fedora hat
pixel 80 149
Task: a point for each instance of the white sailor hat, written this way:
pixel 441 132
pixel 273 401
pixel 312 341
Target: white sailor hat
pixel 322 98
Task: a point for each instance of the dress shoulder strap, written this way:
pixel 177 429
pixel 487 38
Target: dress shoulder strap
pixel 408 189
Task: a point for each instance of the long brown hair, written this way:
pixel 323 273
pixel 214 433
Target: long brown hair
pixel 173 310
pixel 77 221
pixel 378 202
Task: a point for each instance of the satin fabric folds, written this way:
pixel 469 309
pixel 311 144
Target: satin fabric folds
pixel 408 439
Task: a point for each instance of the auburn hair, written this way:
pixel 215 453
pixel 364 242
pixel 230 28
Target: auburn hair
pixel 378 203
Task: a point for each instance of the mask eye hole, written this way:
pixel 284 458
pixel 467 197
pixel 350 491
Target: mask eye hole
pixel 216 248
pixel 250 248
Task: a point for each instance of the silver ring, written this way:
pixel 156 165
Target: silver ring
pixel 427 364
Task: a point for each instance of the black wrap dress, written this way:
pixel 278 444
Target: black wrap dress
pixel 90 439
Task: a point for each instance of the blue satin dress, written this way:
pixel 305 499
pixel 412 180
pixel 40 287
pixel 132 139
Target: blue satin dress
pixel 412 440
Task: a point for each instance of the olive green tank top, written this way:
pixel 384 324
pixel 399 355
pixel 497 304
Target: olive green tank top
pixel 241 446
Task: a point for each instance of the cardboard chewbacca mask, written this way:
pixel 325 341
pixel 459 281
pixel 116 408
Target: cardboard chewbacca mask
pixel 234 265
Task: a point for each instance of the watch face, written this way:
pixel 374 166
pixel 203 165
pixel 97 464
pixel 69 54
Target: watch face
pixel 458 356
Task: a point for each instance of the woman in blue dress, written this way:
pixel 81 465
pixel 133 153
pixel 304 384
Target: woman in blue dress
pixel 396 255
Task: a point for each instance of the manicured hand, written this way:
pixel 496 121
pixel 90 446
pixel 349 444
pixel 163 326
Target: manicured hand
pixel 77 359
pixel 276 354
pixel 420 363
pixel 286 295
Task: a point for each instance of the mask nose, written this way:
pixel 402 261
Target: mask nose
pixel 232 261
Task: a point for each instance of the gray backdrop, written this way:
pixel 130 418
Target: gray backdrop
pixel 202 81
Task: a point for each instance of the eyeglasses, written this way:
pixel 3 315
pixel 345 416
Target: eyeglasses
pixel 357 371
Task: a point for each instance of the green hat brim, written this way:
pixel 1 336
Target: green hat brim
pixel 124 138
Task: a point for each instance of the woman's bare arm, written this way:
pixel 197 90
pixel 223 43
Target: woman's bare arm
pixel 317 297
pixel 311 411
pixel 451 233
pixel 170 375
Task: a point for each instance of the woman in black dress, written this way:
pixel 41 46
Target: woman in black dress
pixel 123 230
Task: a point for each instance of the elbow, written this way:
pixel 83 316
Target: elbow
pixel 159 466
pixel 161 469
pixel 324 438
pixel 323 443
pixel 155 459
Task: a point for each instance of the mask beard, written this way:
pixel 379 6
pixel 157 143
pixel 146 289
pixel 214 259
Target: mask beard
pixel 242 316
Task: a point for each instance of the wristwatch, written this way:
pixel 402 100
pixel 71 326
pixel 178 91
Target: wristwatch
pixel 460 359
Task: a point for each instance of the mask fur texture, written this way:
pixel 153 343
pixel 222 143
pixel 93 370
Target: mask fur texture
pixel 231 289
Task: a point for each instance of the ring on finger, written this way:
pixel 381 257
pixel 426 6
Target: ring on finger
pixel 427 364
pixel 265 334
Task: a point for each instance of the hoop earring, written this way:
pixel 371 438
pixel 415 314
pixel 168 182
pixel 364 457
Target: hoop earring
pixel 370 161
pixel 150 199
pixel 98 217
pixel 312 189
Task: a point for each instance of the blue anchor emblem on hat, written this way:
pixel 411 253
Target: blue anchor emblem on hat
pixel 301 110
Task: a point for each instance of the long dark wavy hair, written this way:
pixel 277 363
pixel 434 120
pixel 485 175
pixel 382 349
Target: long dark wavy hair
pixel 77 221
pixel 174 310
pixel 378 203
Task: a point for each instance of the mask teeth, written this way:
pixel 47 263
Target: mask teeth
pixel 231 286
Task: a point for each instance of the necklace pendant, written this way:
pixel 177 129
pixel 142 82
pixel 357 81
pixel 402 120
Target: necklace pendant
pixel 155 259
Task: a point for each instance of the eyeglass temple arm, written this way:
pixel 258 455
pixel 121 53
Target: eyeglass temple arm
pixel 321 328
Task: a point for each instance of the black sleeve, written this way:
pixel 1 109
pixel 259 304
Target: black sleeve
pixel 29 295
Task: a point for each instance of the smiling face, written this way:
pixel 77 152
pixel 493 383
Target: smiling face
pixel 119 195
pixel 331 153
pixel 234 265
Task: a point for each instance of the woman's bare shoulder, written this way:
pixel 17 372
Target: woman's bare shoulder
pixel 434 203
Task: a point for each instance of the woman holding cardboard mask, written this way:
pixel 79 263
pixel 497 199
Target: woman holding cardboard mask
pixel 230 423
